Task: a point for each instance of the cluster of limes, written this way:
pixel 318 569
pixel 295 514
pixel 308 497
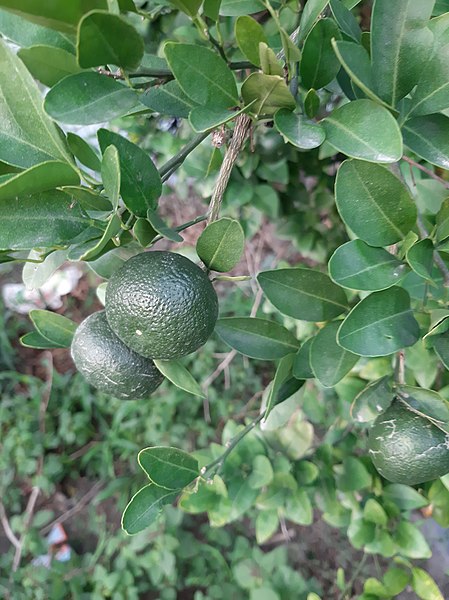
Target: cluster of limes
pixel 159 305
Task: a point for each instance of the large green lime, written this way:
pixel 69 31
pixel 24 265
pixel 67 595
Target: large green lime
pixel 161 305
pixel 108 364
pixel 407 448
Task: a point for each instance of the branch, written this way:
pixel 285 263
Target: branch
pixel 7 527
pixel 400 367
pixel 428 172
pixel 177 160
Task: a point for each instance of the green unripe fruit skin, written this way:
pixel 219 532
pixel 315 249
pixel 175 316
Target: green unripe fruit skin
pixel 161 305
pixel 407 448
pixel 109 365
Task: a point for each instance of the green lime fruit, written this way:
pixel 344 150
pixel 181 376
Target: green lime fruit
pixel 108 364
pixel 161 305
pixel 407 448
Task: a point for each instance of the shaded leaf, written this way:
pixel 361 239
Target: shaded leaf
pixel 145 507
pixel 48 64
pixel 372 400
pixel 25 33
pixel 420 258
pixel 83 152
pixel 301 365
pixel 248 34
pixel 319 65
pixel 190 7
pixel 311 11
pixel 110 174
pixel 346 20
pixel 39 178
pixel 235 8
pixel 432 91
pixel 57 329
pixel 283 371
pixel 168 99
pixel 202 118
pixel 411 541
pixel 404 496
pixel 329 361
pixel 269 92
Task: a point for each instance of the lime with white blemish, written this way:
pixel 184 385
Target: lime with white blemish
pixel 408 448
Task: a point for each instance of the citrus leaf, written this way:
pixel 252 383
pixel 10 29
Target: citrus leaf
pixel 257 338
pixel 298 508
pixel 380 324
pixel 372 400
pixel 26 34
pixel 48 64
pixel 311 12
pixel 145 507
pixel 428 137
pixel 269 62
pixel 432 92
pixel 202 75
pixel 311 104
pixel 404 496
pixel 27 135
pixel 283 371
pixel 420 258
pixel 34 275
pixel 357 266
pixel 303 294
pixel 411 541
pixel 83 152
pixel 39 178
pixel 95 249
pixel 319 65
pixel 427 402
pixel 110 174
pixel 104 38
pixel 269 92
pixel 329 361
pixel 267 523
pixel 86 98
pixel 38 341
pixel 57 329
pixel 190 7
pixel 169 468
pixel 365 130
pixel 373 203
pixel 424 586
pixel 235 8
pixel 168 99
pixel 352 475
pixel 374 512
pixel 175 372
pixel 140 183
pixel 301 365
pixel 297 130
pixel 159 225
pixel 248 34
pixel 346 20
pixel 202 118
pixel 144 232
pixel 262 472
pixel 220 246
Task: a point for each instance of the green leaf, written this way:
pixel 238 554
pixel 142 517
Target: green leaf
pixel 262 472
pixel 83 152
pixel 373 203
pixel 24 33
pixel 360 532
pixel 63 16
pixel 144 232
pixel 175 372
pixel 310 13
pixel 159 225
pixel 303 294
pixel 427 402
pixel 424 586
pixel 329 361
pixel 86 98
pixel 298 508
pixel 39 178
pixel 290 49
pixel 145 507
pixel 88 199
pixel 400 46
pixel 190 7
pixel 168 99
pixel 169 468
pixel 297 130
pixel 363 129
pixel 269 62
pixel 301 365
pixel 380 324
pixel 372 400
pixel 96 248
pixel 405 497
pixel 375 587
pixel 428 137
pixel 396 580
pixel 267 523
pixel 357 266
pixel 202 75
pixel 220 246
pixel 319 65
pixel 57 329
pixel 441 347
pixel 311 104
pixel 346 20
pixel 140 184
pixel 27 135
pixel 38 341
pixel 47 220
pixel 110 174
pixel 432 92
pixel 202 118
pixel 411 541
pixel 266 93
pixel 34 275
pixel 248 34
pixel 420 258
pixel 48 64
pixel 257 338
pixel 352 475
pixel 105 39
pixel 283 372
pixel 235 8
pixel 374 512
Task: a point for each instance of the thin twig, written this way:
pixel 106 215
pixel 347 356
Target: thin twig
pixel 424 169
pixel 7 527
pixel 400 367
pixel 180 157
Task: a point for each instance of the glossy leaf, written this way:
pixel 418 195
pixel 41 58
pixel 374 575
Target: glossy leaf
pixel 282 374
pixel 400 46
pixel 303 294
pixel 140 183
pixel 357 266
pixel 380 324
pixel 202 75
pixel 372 400
pixel 168 99
pixel 373 203
pixel 257 338
pixel 175 372
pixel 248 34
pixel 297 130
pixel 266 93
pixel 301 365
pixel 47 220
pixel 57 329
pixel 86 98
pixel 169 468
pixel 329 361
pixel 39 178
pixel 110 174
pixel 38 341
pixel 432 91
pixel 145 507
pixel 220 245
pixel 319 65
pixel 27 135
pixel 311 12
pixel 428 137
pixel 365 130
pixel 49 64
pixel 420 258
pixel 104 38
pixel 24 33
pixel 159 225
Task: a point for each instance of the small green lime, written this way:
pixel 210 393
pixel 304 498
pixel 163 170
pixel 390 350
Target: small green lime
pixel 108 364
pixel 161 305
pixel 407 448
